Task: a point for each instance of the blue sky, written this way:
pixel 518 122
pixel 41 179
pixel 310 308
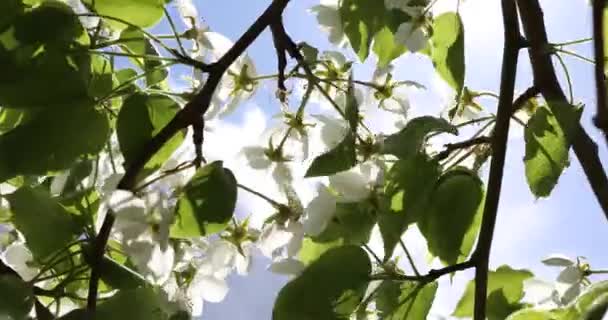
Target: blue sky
pixel 569 222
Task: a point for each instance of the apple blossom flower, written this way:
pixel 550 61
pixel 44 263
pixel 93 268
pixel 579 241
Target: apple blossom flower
pixel 328 17
pixel 18 257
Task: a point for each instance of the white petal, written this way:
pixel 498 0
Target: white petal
pixel 256 157
pixel 212 289
pixel 558 260
pixel 319 211
pixel 538 291
pixel 351 185
pixel 571 274
pixel 243 262
pixel 403 33
pixel 272 238
pixel 59 182
pixel 417 40
pixel 18 257
pixel 571 293
pixel 287 266
pixel 188 12
pixel 297 236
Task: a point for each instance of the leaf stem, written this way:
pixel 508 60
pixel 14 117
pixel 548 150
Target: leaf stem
pixel 409 257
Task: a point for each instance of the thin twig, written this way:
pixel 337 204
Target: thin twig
pixel 410 259
pixel 520 101
pixel 429 277
pixel 481 256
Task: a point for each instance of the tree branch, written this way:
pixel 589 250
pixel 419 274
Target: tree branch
pixel 481 256
pixel 432 275
pixel 189 115
pixel 530 93
pixel 450 147
pixel 601 117
pixel 546 80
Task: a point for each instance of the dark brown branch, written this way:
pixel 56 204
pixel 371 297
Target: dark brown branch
pixel 280 49
pixel 189 115
pixel 546 80
pixel 520 101
pixel 432 275
pixel 481 256
pixel 601 117
pixel 451 147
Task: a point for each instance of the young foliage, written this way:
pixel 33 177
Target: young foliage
pixel 405 300
pixel 330 288
pixel 206 203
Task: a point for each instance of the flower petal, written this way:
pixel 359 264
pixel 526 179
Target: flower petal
pixel 558 260
pixel 287 266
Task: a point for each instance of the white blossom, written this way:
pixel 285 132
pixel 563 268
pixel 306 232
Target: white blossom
pixel 319 211
pixel 412 36
pixel 20 258
pixel 329 21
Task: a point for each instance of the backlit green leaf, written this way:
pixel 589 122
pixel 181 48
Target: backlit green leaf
pixel 46 225
pixel 548 139
pixel 447 49
pixel 207 202
pixel 340 158
pixel 405 300
pixel 410 140
pixel 329 289
pixel 409 185
pixel 141 118
pixel 505 290
pixel 454 211
pixel 42 141
pixel 142 13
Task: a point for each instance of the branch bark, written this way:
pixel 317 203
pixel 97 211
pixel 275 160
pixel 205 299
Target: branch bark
pixel 191 114
pixel 546 80
pixel 601 117
pixel 481 256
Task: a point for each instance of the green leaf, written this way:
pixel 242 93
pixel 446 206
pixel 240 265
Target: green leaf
pixel 17 298
pixel 410 140
pixel 595 294
pixel 548 137
pixel 102 77
pixel 51 23
pixel 409 185
pixel 352 223
pixel 46 225
pixel 135 42
pixel 134 304
pixel 340 158
pixel 405 300
pixel 42 141
pixel 330 288
pixel 142 13
pixel 312 250
pixel 531 314
pixel 11 118
pixel 454 211
pixel 447 49
pixel 363 20
pixel 10 9
pixel 385 47
pixel 141 118
pixel 207 202
pixel 505 290
pixel 309 52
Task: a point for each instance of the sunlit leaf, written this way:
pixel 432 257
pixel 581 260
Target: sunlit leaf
pixel 405 300
pixel 548 136
pixel 505 290
pixel 141 118
pixel 42 141
pixel 454 211
pixel 330 288
pixel 410 140
pixel 409 185
pixel 46 225
pixel 340 158
pixel 207 202
pixel 447 49
pixel 142 13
